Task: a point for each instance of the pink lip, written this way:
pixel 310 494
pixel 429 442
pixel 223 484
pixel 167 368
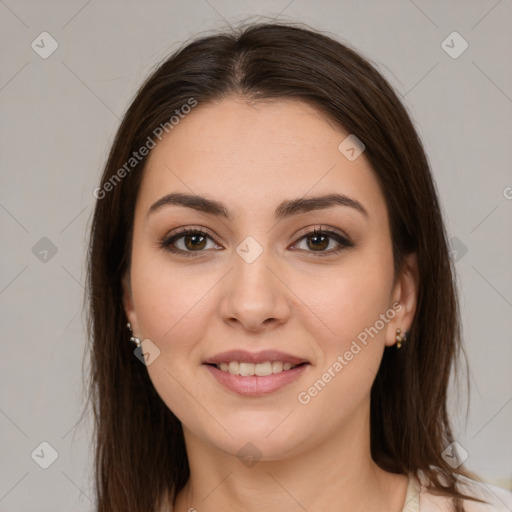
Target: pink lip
pixel 254 385
pixel 254 357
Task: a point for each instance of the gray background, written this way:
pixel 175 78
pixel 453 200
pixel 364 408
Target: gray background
pixel 59 116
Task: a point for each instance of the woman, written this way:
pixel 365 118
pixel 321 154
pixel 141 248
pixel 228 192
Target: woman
pixel 268 229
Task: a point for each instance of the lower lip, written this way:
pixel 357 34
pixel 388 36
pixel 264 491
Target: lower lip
pixel 253 385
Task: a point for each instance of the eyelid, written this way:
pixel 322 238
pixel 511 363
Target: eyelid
pixel 187 229
pixel 309 230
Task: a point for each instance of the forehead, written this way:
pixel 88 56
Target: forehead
pixel 257 154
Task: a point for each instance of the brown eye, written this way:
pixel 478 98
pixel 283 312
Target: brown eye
pixel 191 241
pixel 318 240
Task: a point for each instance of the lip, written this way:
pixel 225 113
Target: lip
pixel 254 385
pixel 254 357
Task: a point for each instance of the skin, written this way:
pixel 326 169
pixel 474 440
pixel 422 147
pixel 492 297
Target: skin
pixel 252 157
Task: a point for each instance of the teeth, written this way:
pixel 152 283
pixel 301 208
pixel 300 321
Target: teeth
pixel 246 369
pixel 277 366
pixel 262 369
pixel 234 367
pixel 259 369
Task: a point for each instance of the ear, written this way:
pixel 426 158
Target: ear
pixel 128 302
pixel 405 297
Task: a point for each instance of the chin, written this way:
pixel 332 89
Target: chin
pixel 257 437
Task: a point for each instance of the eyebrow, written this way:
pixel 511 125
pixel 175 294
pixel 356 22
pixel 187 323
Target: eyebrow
pixel 285 209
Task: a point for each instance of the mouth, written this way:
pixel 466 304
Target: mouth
pixel 253 374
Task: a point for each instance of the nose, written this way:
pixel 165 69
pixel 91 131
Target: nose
pixel 254 295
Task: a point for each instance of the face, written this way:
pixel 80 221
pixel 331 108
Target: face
pixel 305 289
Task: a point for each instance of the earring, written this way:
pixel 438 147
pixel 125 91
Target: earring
pixel 133 338
pixel 400 338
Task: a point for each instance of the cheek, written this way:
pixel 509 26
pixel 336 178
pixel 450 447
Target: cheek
pixel 167 298
pixel 346 300
pixel 334 303
pixel 333 306
pixel 170 303
pixel 352 348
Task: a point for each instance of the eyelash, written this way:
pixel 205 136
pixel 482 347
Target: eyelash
pixel 167 241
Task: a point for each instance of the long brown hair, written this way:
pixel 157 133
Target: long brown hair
pixel 140 454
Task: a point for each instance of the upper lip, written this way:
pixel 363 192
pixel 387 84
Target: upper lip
pixel 254 357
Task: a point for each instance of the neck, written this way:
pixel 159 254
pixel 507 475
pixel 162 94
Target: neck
pixel 337 474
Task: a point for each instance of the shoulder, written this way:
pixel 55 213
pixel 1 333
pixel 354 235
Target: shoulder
pixel 497 499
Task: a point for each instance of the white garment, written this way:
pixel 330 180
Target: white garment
pixel 418 499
